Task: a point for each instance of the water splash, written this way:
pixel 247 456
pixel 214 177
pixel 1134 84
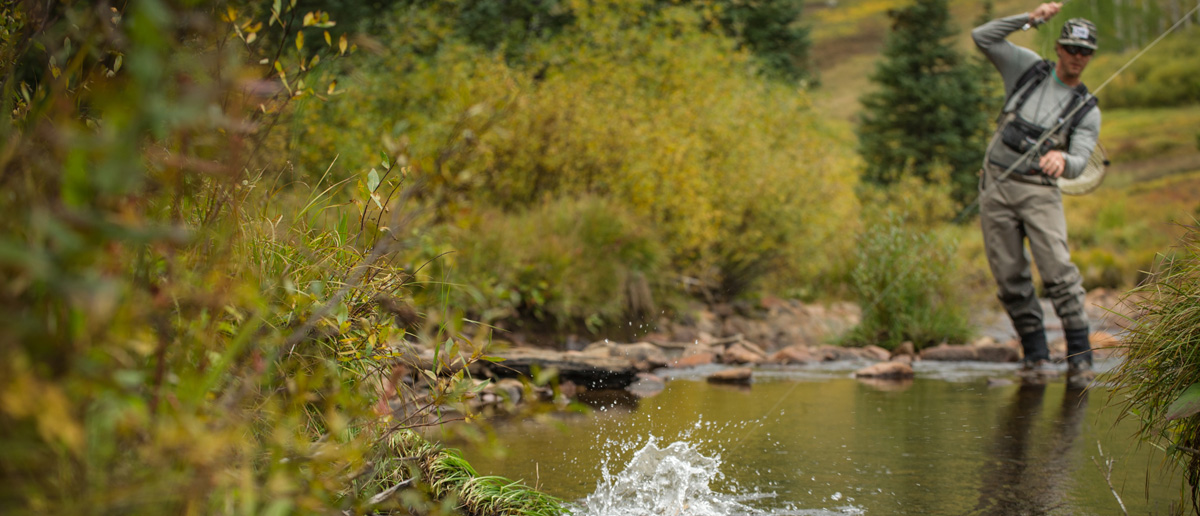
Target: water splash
pixel 674 480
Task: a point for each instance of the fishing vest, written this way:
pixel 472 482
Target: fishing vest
pixel 1018 136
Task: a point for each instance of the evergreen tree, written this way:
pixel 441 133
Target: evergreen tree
pixel 991 85
pixel 926 112
pixel 771 30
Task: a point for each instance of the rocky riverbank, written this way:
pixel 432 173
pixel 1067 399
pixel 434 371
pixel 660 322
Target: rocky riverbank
pixel 734 341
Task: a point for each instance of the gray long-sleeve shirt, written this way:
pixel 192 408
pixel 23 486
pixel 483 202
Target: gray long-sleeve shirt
pixel 1046 102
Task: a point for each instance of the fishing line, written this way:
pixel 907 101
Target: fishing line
pixel 974 204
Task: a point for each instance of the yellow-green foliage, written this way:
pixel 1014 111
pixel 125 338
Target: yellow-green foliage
pixel 1169 75
pixel 570 261
pixel 1115 233
pixel 736 175
pixel 169 343
pixel 1150 134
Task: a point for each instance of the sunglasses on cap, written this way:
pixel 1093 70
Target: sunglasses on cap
pixel 1078 51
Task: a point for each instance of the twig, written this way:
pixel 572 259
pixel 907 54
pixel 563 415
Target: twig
pixel 1108 462
pixel 382 497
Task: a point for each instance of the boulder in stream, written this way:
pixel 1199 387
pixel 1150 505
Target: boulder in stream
pixel 737 375
pixel 591 371
pixel 886 370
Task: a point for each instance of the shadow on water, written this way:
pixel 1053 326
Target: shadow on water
pixel 1028 474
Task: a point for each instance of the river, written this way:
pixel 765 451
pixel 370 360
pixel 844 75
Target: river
pixel 959 439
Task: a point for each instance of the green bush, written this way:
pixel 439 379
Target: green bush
pixel 570 264
pixel 904 280
pixel 1158 383
pixel 737 175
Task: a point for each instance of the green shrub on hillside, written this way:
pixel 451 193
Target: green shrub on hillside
pixel 735 174
pixel 1169 76
pixel 904 280
pixel 769 29
pixel 567 263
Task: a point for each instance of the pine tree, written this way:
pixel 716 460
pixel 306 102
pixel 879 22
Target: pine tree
pixel 926 112
pixel 991 85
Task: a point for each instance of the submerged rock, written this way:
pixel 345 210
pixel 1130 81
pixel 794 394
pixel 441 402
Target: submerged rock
pixel 948 352
pixel 741 375
pixel 888 370
pixel 647 385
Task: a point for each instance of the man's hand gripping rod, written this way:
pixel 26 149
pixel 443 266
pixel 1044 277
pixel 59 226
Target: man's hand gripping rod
pixel 1037 22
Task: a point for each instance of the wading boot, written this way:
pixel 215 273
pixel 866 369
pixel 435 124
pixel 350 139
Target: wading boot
pixel 1079 359
pixel 1035 367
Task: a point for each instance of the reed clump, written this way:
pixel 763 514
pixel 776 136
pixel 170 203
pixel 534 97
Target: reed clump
pixel 1158 384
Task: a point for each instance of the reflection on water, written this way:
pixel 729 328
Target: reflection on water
pixel 832 445
pixel 1028 473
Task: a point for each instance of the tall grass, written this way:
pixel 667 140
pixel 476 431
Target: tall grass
pixel 451 477
pixel 1158 384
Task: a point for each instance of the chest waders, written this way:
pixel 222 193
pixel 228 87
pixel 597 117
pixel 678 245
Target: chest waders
pixel 1029 208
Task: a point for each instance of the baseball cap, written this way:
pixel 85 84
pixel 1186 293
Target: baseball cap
pixel 1078 32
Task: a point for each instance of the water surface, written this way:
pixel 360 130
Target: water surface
pixel 819 442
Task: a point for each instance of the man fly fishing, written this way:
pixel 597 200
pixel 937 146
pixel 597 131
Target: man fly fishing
pixel 1048 129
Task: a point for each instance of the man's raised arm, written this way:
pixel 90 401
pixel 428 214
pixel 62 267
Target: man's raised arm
pixel 1008 58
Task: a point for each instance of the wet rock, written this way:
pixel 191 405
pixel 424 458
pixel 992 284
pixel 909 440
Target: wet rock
pixel 947 352
pixel 885 370
pixel 658 338
pixel 739 375
pixel 831 353
pixel 707 322
pixel 591 371
pixel 1058 349
pixel 874 352
pixel 906 348
pixel 753 330
pixel 695 355
pixel 903 359
pixel 1104 344
pixel 794 354
pixel 568 389
pixel 683 333
pixel 644 355
pixel 993 352
pixel 1103 339
pixel 743 353
pixel 510 388
pixel 647 385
